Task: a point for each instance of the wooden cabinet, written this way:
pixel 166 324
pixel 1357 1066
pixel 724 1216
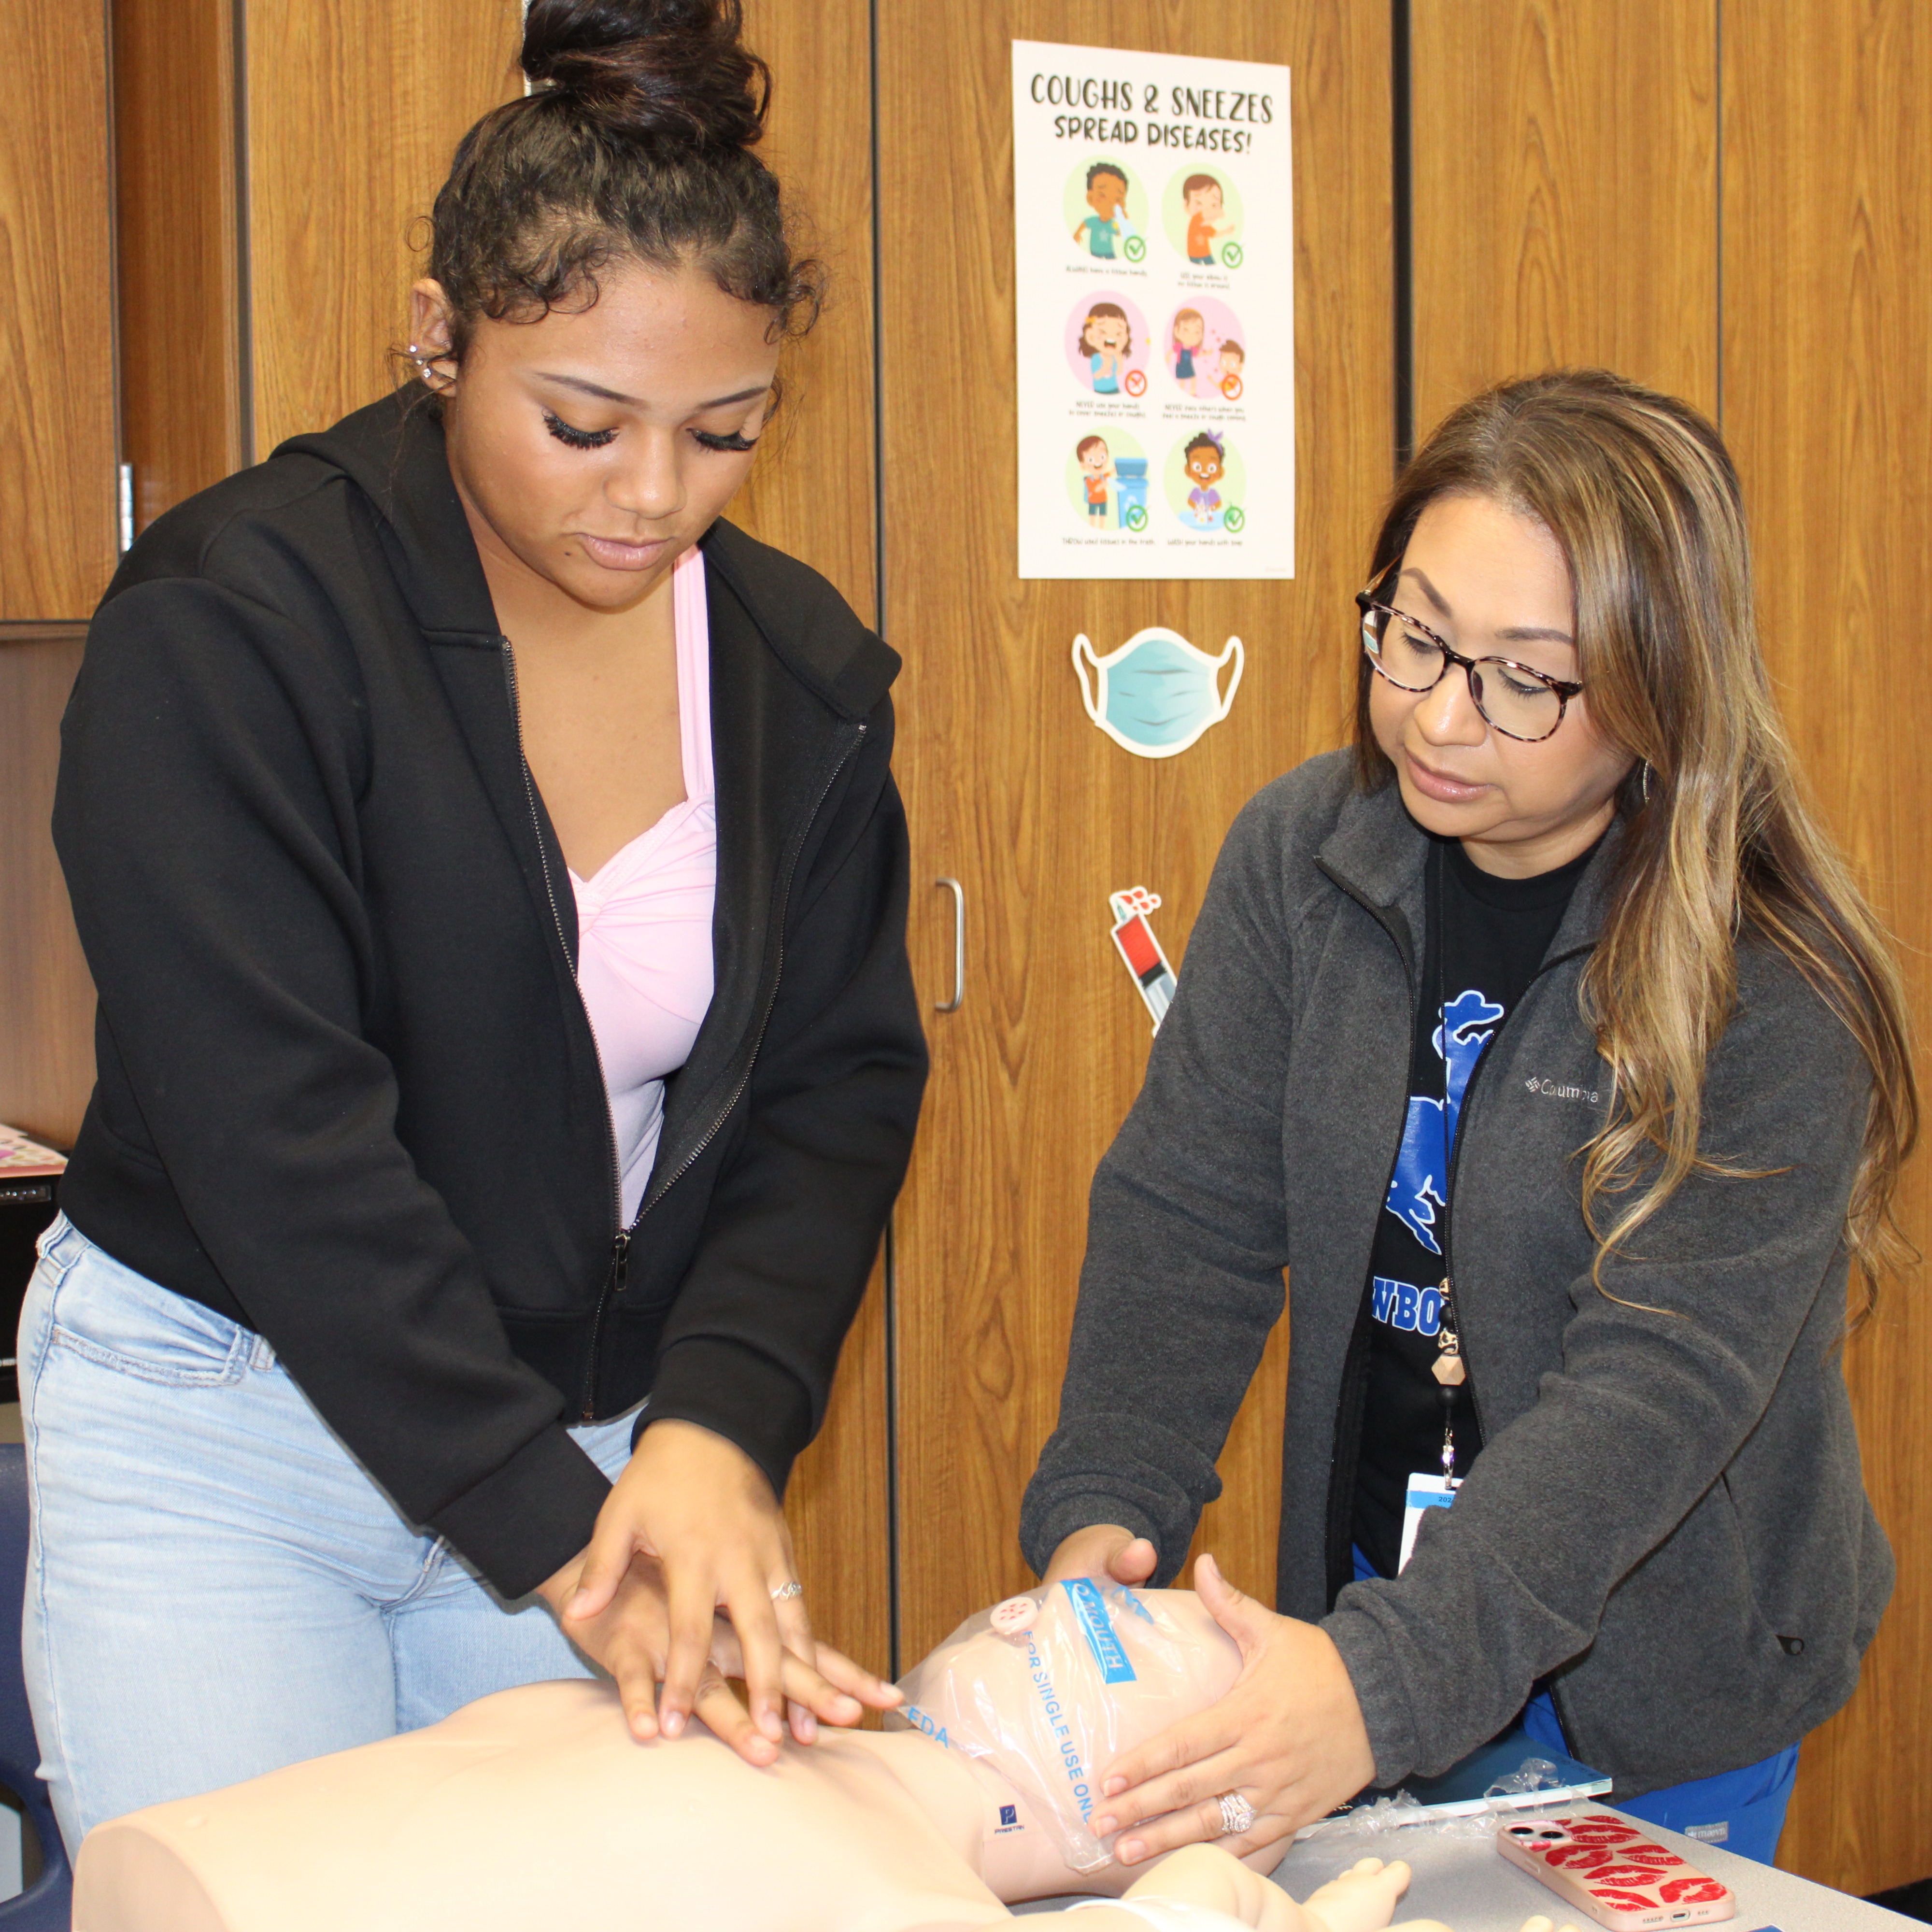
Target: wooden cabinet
pixel 58 521
pixel 1827 372
pixel 59 491
pixel 1013 792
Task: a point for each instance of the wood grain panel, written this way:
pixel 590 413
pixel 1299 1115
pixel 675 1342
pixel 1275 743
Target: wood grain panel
pixel 1828 390
pixel 47 1035
pixel 1011 791
pixel 811 488
pixel 58 531
pixel 1565 194
pixel 811 494
pixel 178 246
pixel 352 113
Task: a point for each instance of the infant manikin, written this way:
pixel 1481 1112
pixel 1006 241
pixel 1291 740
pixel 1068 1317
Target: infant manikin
pixel 539 1798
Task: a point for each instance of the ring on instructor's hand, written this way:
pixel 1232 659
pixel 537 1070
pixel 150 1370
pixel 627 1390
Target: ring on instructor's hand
pixel 785 1593
pixel 1238 1815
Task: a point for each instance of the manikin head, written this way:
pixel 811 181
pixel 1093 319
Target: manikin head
pixel 1046 1690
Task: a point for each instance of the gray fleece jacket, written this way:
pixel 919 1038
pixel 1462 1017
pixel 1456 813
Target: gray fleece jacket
pixel 1668 1521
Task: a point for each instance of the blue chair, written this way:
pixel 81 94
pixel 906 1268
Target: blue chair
pixel 47 1904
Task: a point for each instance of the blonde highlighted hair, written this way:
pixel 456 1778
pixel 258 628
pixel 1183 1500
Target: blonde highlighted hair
pixel 1640 495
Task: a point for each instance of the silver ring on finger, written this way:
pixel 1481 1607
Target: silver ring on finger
pixel 786 1591
pixel 1238 1815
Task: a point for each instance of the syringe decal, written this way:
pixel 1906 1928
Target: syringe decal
pixel 1135 940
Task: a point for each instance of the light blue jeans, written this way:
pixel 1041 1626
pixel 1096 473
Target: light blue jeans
pixel 215 1586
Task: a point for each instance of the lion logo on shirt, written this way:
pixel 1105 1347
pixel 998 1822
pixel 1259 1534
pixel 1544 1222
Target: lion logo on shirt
pixel 1420 1184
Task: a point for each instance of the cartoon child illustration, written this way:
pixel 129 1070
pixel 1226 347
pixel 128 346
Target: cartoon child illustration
pixel 1106 341
pixel 1233 360
pixel 1205 464
pixel 1190 332
pixel 1096 471
pixel 1208 223
pixel 1107 196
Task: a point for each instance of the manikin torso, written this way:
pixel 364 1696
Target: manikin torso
pixel 488 1820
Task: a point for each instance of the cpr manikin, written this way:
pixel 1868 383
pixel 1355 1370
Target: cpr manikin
pixel 539 1799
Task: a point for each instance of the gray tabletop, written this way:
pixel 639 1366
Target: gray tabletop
pixel 1468 1885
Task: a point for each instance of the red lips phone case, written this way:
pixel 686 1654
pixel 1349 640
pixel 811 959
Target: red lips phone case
pixel 1607 1868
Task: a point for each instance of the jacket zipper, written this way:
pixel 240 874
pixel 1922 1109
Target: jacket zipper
pixel 1448 1266
pixel 620 1238
pixel 1343 1472
pixel 556 918
pixel 1462 1117
pixel 614 1281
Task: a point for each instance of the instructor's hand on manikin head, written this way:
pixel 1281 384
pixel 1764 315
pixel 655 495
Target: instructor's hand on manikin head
pixel 1103 1551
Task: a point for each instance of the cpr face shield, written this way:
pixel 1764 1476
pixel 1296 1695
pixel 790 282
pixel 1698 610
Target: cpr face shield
pixel 1047 1690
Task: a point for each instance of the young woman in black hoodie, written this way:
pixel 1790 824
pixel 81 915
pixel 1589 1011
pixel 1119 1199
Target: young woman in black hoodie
pixel 381 1301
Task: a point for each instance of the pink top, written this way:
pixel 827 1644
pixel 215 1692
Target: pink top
pixel 643 923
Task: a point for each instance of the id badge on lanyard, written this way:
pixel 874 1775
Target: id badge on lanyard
pixel 1426 1493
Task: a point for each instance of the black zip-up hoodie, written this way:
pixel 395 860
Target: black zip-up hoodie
pixel 347 1092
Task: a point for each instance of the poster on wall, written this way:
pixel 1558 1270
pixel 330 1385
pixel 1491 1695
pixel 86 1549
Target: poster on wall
pixel 1154 292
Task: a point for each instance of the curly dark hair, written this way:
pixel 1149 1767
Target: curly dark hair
pixel 635 144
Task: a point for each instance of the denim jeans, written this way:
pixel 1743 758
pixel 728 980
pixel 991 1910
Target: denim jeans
pixel 215 1586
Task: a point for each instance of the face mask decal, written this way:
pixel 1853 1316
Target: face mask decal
pixel 1155 694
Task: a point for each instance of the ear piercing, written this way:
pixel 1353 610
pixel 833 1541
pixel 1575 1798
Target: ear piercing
pixel 424 368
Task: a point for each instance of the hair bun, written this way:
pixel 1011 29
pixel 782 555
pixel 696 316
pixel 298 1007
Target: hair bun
pixel 661 71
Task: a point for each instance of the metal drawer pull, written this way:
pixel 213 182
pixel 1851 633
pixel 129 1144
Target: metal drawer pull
pixel 958 893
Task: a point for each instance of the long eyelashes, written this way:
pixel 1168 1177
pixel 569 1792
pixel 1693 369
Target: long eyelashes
pixel 577 439
pixel 573 438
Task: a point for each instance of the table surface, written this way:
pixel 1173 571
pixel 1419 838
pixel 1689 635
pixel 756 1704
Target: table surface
pixel 1468 1885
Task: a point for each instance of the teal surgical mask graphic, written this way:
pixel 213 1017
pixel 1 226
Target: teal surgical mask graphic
pixel 1155 694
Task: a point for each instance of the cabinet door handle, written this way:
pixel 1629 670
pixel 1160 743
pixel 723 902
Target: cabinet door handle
pixel 958 893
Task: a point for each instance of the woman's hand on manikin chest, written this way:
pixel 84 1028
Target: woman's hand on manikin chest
pixel 597 693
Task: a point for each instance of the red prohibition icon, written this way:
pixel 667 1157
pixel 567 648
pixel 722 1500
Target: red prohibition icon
pixel 1231 388
pixel 1136 382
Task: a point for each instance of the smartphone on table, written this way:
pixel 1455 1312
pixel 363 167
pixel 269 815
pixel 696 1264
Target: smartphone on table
pixel 1604 1867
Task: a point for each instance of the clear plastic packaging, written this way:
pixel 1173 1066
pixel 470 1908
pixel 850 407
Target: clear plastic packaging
pixel 1049 1689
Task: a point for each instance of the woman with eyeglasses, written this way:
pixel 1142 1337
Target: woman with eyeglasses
pixel 1545 1040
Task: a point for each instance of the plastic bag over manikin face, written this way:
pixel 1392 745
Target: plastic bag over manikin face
pixel 1049 1689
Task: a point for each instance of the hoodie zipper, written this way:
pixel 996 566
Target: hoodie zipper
pixel 614 1278
pixel 556 917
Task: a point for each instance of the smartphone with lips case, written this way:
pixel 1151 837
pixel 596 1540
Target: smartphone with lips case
pixel 1605 1866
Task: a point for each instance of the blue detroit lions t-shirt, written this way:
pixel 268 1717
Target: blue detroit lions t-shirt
pixel 1492 934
